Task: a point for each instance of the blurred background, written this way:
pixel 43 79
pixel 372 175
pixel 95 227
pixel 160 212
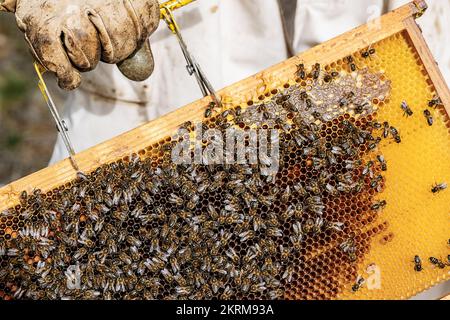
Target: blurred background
pixel 27 132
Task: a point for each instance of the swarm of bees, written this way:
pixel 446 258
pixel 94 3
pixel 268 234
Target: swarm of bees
pixel 139 229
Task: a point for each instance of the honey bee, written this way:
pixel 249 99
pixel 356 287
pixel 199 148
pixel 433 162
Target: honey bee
pixel 87 242
pixel 286 194
pixel 314 204
pixel 375 183
pixel 379 205
pixel 274 232
pixel 133 241
pixel 298 237
pixel 352 164
pixel 186 126
pixel 167 275
pixel 308 227
pixel 313 187
pixel 225 114
pixel 208 112
pixel 283 125
pixel 373 145
pixel 368 53
pixel 330 76
pixel 12 252
pixel 348 247
pixel 227 293
pixel 23 197
pixel 316 71
pixel 361 107
pixel 19 293
pixel 436 101
pixel 173 198
pixel 285 253
pixel 81 177
pixel 301 71
pixel 231 253
pixel 429 117
pixel 395 134
pixel 318 224
pixel 111 245
pixel 125 258
pixel 238 111
pixel 80 253
pixel 280 99
pixel 262 108
pixel 437 262
pixel 146 197
pixel 288 274
pixel 258 224
pixel 289 106
pixel 382 162
pixel 120 215
pixel 346 100
pixel 336 226
pixel 417 263
pixel 358 283
pixel 288 213
pixel 351 63
pixel 348 126
pixel 438 187
pixel 406 109
pixel 158 214
pixel 331 189
pixel 275 294
pixel 376 125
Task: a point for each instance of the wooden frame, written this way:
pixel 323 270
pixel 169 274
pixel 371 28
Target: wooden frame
pixel 394 22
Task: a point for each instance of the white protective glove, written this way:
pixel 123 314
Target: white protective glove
pixel 68 36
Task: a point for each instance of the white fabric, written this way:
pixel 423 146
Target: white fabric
pixel 231 39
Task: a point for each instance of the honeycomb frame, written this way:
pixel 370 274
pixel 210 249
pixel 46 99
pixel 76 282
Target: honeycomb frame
pixel 267 82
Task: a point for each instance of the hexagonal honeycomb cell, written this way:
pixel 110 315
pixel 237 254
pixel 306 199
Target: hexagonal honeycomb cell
pixel 343 217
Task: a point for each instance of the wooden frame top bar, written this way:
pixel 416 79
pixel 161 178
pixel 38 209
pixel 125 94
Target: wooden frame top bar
pixel 241 92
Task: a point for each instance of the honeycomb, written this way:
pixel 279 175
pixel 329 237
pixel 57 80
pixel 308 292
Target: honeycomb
pixel 349 198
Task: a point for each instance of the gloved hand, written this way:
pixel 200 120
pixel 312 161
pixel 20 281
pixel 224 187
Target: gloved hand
pixel 68 36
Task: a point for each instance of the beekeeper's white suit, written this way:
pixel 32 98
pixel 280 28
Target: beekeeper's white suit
pixel 231 39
